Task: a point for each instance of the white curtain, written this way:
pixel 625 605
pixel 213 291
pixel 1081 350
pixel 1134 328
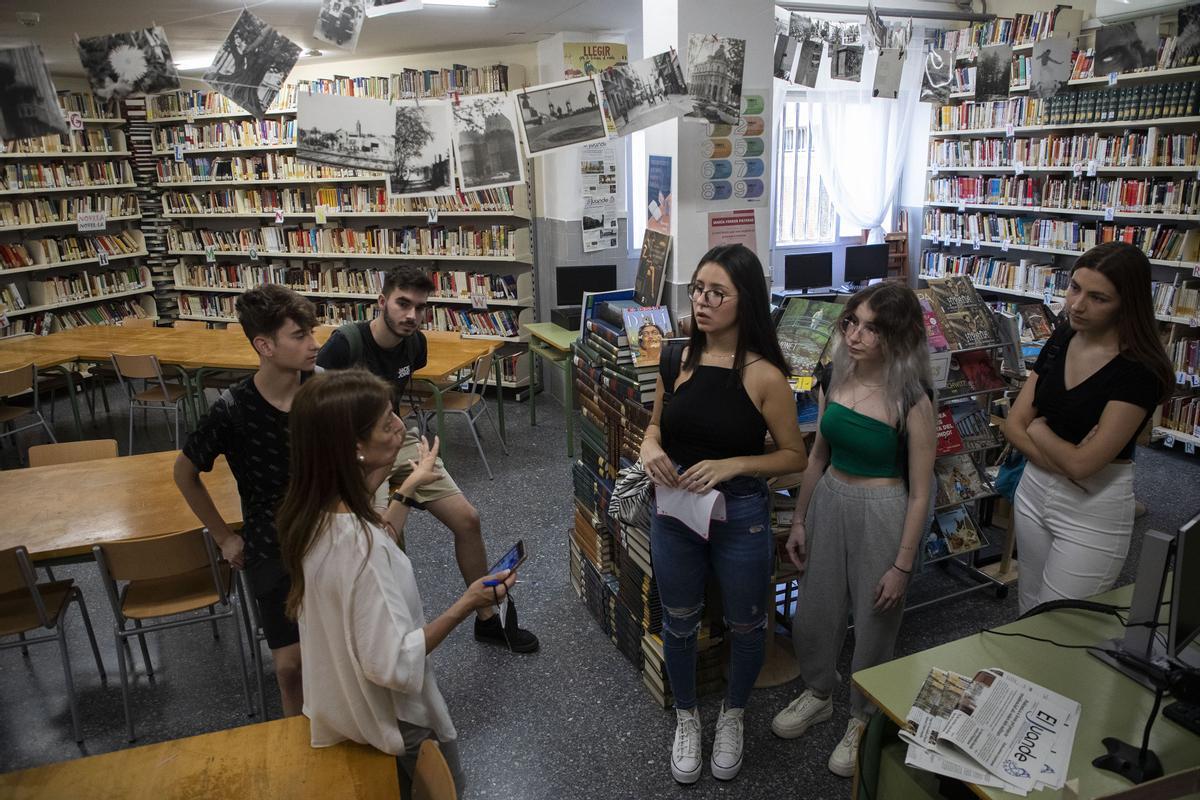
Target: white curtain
pixel 860 142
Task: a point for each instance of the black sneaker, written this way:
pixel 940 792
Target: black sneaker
pixel 508 635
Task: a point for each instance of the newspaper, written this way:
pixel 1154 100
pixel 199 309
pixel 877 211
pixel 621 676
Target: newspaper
pixel 995 729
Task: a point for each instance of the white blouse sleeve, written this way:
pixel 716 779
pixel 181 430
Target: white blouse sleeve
pixel 385 636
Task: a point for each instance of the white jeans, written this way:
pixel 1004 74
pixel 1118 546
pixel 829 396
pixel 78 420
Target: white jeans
pixel 1071 541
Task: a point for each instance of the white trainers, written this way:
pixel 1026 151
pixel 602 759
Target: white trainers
pixel 845 755
pixel 726 759
pixel 803 712
pixel 685 753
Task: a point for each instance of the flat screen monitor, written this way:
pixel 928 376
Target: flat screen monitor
pixel 807 271
pixel 866 262
pixel 1185 591
pixel 571 282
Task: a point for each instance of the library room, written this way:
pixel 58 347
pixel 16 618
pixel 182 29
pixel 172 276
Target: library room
pixel 371 374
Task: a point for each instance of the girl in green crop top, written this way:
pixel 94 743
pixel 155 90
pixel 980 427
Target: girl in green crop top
pixel 858 521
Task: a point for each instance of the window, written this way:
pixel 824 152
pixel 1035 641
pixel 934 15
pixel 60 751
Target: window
pixel 803 212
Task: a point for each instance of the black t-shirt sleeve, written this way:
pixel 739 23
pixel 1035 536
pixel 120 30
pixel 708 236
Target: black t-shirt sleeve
pixel 421 352
pixel 335 353
pixel 211 438
pixel 1136 385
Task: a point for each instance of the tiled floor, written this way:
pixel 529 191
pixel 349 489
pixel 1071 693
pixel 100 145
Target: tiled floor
pixel 571 721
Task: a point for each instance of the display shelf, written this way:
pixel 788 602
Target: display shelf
pixel 1117 214
pixel 99 298
pixel 1007 169
pixel 1051 251
pixel 67 154
pixel 99 187
pixel 267 182
pixel 206 151
pixel 64 224
pixel 518 259
pixel 350 215
pixel 522 303
pixel 189 118
pixel 1161 122
pixel 1138 77
pixel 77 263
pixel 1159 432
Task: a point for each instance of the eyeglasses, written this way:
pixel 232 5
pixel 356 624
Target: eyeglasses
pixel 712 297
pixel 866 331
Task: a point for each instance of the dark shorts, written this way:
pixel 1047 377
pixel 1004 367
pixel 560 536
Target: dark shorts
pixel 280 630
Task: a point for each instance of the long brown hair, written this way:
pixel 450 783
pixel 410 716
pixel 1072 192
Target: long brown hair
pixel 330 414
pixel 1128 269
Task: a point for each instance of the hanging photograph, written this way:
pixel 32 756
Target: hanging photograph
pixel 1050 66
pixel 877 31
pixel 1187 44
pixel 847 62
pixel 994 72
pixel 252 64
pixel 28 102
pixel 423 145
pixel 1126 46
pixel 343 131
pixel 715 77
pixel 808 64
pixel 645 92
pixel 888 67
pixel 485 142
pixel 935 81
pixel 379 8
pixel 340 22
pixel 121 64
pixel 559 115
pixel 786 47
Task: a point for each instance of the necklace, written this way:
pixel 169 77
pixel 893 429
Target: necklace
pixel 855 403
pixel 720 355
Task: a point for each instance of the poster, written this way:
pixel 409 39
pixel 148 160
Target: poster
pixel 555 116
pixel 1050 66
pixel 733 161
pixel 659 199
pixel 935 82
pixel 732 227
pixel 581 59
pixel 598 223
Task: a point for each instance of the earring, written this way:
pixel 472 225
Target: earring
pixel 360 458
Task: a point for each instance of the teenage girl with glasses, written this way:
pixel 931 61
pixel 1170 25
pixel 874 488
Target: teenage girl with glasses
pixel 857 525
pixel 729 389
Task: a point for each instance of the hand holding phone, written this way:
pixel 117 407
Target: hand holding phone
pixel 509 561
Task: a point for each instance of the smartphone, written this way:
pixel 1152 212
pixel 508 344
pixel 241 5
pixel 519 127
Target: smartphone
pixel 510 560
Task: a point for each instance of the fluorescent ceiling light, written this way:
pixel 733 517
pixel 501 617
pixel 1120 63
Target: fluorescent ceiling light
pixel 195 62
pixel 463 3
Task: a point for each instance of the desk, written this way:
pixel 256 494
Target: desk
pixel 552 343
pixel 1112 704
pixel 59 512
pixel 267 760
pixel 48 357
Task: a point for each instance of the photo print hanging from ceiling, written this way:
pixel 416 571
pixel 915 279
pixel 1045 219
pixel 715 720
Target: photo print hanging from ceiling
pixel 1050 66
pixel 1187 45
pixel 808 63
pixel 935 80
pixel 347 132
pixel 715 65
pixel 847 62
pixel 28 102
pixel 121 64
pixel 786 46
pixel 379 8
pixel 993 73
pixel 423 150
pixel 1126 46
pixel 340 22
pixel 252 64
pixel 888 68
pixel 645 92
pixel 560 115
pixel 486 146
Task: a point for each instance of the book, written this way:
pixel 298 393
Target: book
pixel 958 481
pixel 979 370
pixel 966 320
pixel 645 329
pixel 972 425
pixel 613 312
pixel 593 299
pixel 933 326
pixel 652 268
pixel 804 331
pixel 1035 321
pixel 949 441
pixel 958 530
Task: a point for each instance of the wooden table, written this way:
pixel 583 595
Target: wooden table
pixel 59 512
pixel 552 343
pixel 266 760
pixel 48 357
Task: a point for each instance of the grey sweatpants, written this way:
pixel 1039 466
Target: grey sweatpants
pixel 853 536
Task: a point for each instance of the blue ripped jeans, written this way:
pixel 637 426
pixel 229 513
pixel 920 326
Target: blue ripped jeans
pixel 739 552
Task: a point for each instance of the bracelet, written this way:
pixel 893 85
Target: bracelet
pixel 901 569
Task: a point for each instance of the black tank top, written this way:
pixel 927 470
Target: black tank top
pixel 711 416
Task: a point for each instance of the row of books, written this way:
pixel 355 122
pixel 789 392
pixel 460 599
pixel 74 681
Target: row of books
pixel 374 199
pixel 65 208
pixel 1169 56
pixel 11 298
pixel 237 201
pixel 1149 148
pixel 1181 412
pixel 462 284
pixel 1165 242
pixel 198 102
pixel 254 167
pixel 229 133
pixel 354 199
pixel 52 250
pixel 89 140
pixel 501 322
pixel 82 285
pixel 494 241
pixel 1018 30
pixel 1137 195
pixel 1176 298
pixel 1185 356
pixel 36 175
pixel 87 105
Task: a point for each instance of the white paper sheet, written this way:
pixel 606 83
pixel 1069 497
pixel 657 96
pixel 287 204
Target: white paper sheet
pixel 693 510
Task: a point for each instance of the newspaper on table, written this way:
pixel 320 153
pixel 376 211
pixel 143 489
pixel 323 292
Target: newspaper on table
pixel 995 729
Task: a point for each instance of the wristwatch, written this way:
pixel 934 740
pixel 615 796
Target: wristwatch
pixel 405 500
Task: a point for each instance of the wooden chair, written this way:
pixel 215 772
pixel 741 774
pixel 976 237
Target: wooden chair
pixel 45 455
pixel 471 405
pixel 169 397
pixel 170 577
pixel 432 779
pixel 14 382
pixel 197 324
pixel 26 605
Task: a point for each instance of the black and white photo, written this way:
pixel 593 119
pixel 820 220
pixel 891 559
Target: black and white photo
pixel 786 47
pixel 645 92
pixel 563 114
pixel 1126 46
pixel 935 78
pixel 1050 66
pixel 121 64
pixel 252 64
pixel 847 62
pixel 343 131
pixel 888 68
pixel 28 101
pixel 423 150
pixel 1187 45
pixel 808 64
pixel 340 22
pixel 993 73
pixel 714 80
pixel 486 146
pixel 378 8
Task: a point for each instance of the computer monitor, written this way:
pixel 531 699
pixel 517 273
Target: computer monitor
pixel 866 262
pixel 807 271
pixel 571 282
pixel 1185 595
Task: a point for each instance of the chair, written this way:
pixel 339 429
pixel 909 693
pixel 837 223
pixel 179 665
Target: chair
pixel 472 406
pixel 170 397
pixel 432 779
pixel 189 323
pixel 167 576
pixel 18 381
pixel 26 605
pixel 254 636
pixel 45 455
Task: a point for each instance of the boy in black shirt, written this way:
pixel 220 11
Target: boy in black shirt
pixel 252 433
pixel 392 347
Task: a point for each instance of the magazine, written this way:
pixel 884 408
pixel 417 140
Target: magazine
pixel 646 328
pixel 949 441
pixel 958 481
pixel 933 326
pixel 652 268
pixel 1035 322
pixel 973 426
pixel 959 530
pixel 966 320
pixel 804 331
pixel 979 370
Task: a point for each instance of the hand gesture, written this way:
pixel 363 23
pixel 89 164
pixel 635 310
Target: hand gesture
pixel 424 467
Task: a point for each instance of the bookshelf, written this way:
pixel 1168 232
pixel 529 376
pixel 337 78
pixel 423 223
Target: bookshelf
pixel 240 210
pixel 71 249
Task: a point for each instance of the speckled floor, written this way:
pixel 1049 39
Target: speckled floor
pixel 571 721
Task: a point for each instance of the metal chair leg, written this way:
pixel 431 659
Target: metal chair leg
pixel 87 626
pixel 131 413
pixel 145 651
pixel 237 637
pixel 487 413
pixel 66 662
pixel 216 631
pixel 479 446
pixel 24 648
pixel 121 640
pixel 251 631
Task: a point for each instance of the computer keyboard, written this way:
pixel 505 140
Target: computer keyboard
pixel 1186 715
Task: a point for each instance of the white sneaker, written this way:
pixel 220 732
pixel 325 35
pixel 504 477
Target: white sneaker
pixel 727 745
pixel 804 711
pixel 845 756
pixel 685 753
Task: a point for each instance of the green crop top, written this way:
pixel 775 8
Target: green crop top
pixel 860 445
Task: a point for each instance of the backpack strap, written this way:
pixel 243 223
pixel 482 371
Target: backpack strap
pixel 353 336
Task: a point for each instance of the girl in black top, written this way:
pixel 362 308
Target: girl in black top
pixel 1077 418
pixel 728 390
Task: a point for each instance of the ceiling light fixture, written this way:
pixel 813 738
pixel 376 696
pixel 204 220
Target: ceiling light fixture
pixel 462 3
pixel 195 62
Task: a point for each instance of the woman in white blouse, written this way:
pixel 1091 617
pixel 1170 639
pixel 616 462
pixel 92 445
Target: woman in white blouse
pixel 364 640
